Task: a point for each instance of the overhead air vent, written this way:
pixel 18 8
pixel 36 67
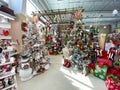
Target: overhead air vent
pixel 59 0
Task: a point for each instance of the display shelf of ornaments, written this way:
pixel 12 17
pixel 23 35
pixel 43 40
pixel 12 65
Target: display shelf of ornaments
pixel 7 62
pixel 15 53
pixel 32 61
pixel 5 25
pixel 7 75
pixel 5 37
pixel 7 50
pixel 10 86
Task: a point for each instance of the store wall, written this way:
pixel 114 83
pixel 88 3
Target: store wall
pixel 2 2
pixel 16 31
pixel 105 29
pixel 116 26
pixel 19 6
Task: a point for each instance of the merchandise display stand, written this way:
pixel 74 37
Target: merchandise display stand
pixel 37 60
pixel 7 59
pixel 79 50
pixel 54 39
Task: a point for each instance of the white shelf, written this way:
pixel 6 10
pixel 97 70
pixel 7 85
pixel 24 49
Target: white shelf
pixel 14 43
pixel 8 50
pixel 9 87
pixel 7 75
pixel 7 15
pixel 5 37
pixel 1 64
pixel 5 25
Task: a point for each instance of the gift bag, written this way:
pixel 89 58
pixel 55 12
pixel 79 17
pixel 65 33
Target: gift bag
pixel 67 63
pixel 101 71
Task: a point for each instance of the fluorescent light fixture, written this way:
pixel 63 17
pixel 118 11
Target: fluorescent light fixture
pixel 6 15
pixel 115 12
pixel 104 27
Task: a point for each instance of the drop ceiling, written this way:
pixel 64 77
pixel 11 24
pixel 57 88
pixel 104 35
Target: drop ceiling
pixel 95 10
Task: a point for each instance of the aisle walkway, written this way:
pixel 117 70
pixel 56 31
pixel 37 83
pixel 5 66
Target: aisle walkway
pixel 61 78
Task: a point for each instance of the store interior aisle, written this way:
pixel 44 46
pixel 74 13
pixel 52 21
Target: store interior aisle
pixel 61 78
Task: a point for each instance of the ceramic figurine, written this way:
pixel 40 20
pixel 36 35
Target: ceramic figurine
pixel 25 74
pixel 25 71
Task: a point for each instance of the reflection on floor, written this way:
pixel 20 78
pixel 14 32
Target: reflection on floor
pixel 61 78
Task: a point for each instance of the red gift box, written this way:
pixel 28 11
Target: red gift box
pixel 114 72
pixel 111 85
pixel 105 61
pixel 117 68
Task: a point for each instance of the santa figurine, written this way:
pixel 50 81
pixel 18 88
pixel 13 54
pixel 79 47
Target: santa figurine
pixel 98 51
pixel 111 53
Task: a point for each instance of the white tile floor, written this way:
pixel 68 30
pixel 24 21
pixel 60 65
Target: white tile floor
pixel 61 78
